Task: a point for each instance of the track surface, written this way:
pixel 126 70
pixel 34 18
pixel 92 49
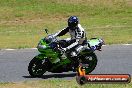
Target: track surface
pixel 112 59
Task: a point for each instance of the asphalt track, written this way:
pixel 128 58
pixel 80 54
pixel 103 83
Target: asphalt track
pixel 113 59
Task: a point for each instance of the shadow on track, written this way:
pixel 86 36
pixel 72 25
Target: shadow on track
pixel 56 75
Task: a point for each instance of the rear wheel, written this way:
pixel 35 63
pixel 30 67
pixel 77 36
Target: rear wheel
pixel 36 67
pixel 89 62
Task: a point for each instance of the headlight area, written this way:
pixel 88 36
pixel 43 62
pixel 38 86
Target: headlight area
pixel 41 46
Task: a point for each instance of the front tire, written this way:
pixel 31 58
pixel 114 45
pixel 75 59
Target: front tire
pixel 36 67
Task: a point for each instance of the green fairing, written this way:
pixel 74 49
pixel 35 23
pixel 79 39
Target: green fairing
pixel 63 62
pixel 52 55
pixel 43 42
pixel 41 56
pixel 93 42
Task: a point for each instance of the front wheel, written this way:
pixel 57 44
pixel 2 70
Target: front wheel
pixel 36 67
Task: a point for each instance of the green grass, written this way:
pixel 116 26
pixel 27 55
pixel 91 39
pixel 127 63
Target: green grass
pixel 22 21
pixel 60 83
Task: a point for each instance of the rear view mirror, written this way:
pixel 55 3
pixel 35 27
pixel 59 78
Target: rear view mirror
pixel 46 30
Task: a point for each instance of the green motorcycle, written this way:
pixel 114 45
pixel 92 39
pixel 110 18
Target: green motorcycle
pixel 52 59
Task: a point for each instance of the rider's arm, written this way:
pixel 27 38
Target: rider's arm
pixel 62 32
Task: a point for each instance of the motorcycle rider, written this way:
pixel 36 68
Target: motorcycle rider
pixel 77 33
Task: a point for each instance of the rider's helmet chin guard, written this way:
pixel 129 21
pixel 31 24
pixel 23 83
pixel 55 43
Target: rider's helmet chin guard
pixel 73 22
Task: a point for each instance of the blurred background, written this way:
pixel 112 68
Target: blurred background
pixel 22 22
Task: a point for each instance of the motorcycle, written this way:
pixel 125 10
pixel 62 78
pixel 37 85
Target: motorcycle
pixel 51 58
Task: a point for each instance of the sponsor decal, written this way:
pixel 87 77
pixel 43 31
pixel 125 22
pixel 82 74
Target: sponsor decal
pixel 83 78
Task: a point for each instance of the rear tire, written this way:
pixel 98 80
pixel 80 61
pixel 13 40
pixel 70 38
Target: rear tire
pixel 36 67
pixel 91 60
